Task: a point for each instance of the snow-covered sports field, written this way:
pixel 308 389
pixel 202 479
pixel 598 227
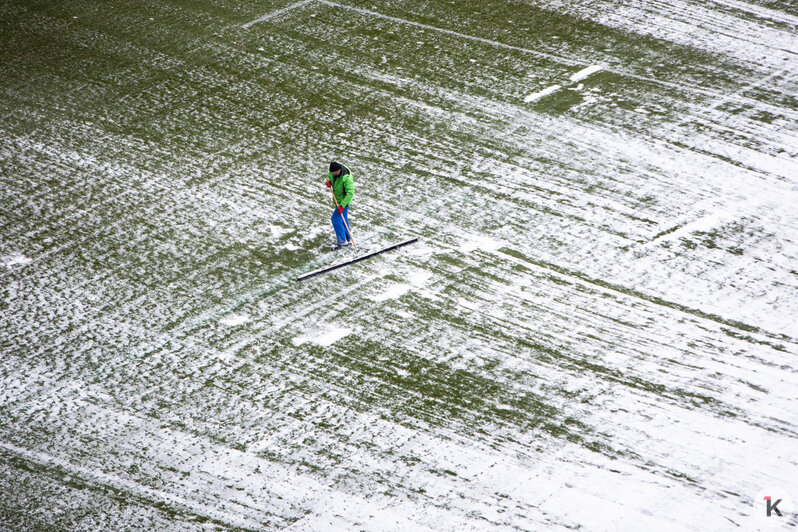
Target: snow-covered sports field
pixel 597 329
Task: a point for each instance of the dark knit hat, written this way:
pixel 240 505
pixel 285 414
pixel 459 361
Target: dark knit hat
pixel 334 167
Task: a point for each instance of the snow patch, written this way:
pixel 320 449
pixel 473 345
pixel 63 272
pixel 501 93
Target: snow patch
pixel 278 231
pixel 414 279
pixel 393 292
pixel 234 319
pixel 16 260
pixel 483 243
pixel 419 277
pixel 467 304
pixel 327 338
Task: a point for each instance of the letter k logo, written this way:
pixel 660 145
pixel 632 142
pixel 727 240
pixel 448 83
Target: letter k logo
pixel 772 506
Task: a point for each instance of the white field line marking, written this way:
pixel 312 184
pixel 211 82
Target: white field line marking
pixel 556 58
pixel 585 72
pixel 277 13
pixel 747 88
pixel 729 151
pixel 701 112
pixel 724 150
pixel 99 477
pixel 541 94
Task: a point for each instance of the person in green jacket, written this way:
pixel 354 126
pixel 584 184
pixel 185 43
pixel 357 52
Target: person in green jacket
pixel 339 179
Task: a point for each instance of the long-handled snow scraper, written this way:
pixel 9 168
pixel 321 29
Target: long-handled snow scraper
pixel 356 259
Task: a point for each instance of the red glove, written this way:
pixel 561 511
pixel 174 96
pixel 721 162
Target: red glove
pixel 340 209
pixel 328 183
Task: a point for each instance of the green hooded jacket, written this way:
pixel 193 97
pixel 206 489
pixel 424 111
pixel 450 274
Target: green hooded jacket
pixel 343 186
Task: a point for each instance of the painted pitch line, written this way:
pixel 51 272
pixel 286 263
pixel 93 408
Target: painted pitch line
pixel 585 72
pixel 497 44
pixel 277 13
pixel 545 92
pixel 552 57
pixel 739 92
pixel 748 87
pixel 725 150
pixel 575 78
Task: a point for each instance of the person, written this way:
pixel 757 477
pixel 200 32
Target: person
pixel 339 180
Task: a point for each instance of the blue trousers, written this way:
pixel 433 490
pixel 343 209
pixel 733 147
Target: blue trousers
pixel 338 225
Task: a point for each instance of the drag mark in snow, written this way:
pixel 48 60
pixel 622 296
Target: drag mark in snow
pixel 760 11
pixel 277 13
pixel 93 475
